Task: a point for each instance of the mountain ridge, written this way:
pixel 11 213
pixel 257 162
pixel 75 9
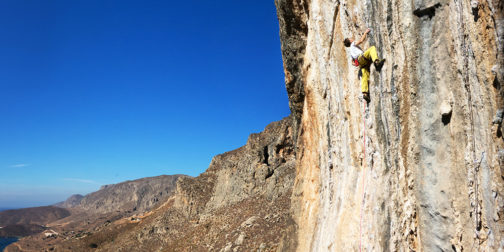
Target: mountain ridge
pixel 241 192
pixel 129 197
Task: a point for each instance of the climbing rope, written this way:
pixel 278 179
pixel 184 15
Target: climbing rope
pixel 363 178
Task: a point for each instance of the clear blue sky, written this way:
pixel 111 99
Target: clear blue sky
pixel 97 92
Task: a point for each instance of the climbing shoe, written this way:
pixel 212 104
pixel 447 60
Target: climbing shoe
pixel 379 64
pixel 365 96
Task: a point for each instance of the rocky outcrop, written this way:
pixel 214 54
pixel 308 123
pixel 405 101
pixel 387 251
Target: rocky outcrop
pixel 418 168
pixel 72 201
pixel 263 167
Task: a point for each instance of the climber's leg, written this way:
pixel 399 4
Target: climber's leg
pixel 363 62
pixel 364 79
pixel 370 54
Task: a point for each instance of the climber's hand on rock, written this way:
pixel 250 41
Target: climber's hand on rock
pixel 368 30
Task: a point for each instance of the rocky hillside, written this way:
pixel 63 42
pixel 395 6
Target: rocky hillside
pixel 33 215
pixel 420 168
pixel 20 230
pixel 136 195
pixel 82 213
pixel 28 221
pixel 130 196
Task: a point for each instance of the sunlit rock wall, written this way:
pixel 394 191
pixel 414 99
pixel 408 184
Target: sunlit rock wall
pixel 397 175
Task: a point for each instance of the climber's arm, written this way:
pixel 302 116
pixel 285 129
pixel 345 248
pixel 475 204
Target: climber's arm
pixel 363 37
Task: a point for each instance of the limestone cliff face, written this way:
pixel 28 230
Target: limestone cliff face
pixel 421 167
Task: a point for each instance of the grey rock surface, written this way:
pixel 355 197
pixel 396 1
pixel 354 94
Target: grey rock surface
pixel 498 117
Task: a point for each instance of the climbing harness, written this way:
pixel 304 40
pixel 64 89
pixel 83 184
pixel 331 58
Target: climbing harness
pixel 355 62
pixel 363 178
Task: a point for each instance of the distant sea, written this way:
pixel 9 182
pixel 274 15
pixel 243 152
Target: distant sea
pixel 5 241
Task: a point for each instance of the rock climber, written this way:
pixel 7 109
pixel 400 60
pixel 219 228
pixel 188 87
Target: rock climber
pixel 363 60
